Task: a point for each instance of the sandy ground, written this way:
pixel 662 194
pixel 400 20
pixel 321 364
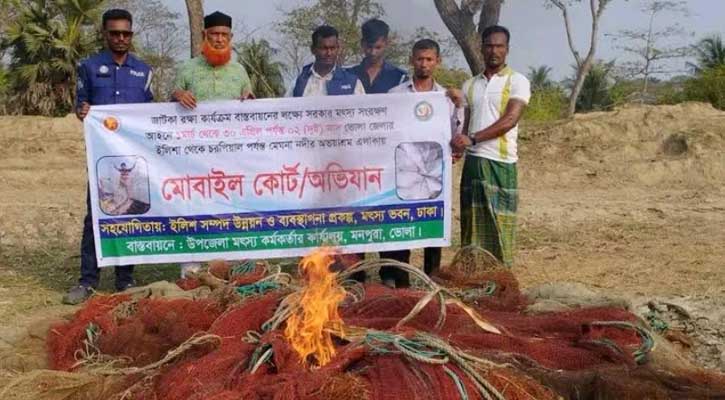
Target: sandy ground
pixel 630 202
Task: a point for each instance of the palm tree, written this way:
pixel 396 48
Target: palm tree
pixel 540 77
pixel 46 42
pixel 265 74
pixel 710 53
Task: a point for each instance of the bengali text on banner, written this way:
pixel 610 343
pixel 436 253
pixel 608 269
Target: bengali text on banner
pixel 268 178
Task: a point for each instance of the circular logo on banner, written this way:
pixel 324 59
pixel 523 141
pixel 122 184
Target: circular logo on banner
pixel 111 123
pixel 103 69
pixel 423 111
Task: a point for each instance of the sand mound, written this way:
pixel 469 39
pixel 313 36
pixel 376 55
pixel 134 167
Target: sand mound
pixel 680 145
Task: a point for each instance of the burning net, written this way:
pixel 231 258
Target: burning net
pixel 260 334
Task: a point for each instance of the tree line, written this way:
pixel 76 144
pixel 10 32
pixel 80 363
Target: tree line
pixel 42 41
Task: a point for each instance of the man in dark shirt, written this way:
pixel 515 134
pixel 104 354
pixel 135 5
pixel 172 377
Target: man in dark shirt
pixel 113 76
pixel 375 73
pixel 324 77
pixel 379 76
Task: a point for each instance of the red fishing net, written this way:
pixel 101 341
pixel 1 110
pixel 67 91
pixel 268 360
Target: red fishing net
pixel 586 353
pixel 155 327
pixel 66 340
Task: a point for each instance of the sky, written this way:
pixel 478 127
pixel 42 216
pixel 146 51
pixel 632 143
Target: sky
pixel 538 35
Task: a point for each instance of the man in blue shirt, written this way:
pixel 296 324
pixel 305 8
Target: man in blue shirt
pixel 379 76
pixel 113 76
pixel 323 77
pixel 376 74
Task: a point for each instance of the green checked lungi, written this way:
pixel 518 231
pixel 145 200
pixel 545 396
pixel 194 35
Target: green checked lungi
pixel 489 199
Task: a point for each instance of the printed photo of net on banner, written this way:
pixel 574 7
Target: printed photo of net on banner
pixel 269 178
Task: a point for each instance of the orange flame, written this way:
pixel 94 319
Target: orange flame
pixel 309 329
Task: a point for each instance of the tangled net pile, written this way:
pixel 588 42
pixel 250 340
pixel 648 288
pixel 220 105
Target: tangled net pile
pixel 457 336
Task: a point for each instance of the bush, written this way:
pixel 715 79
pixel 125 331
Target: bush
pixel 451 77
pixel 624 91
pixel 671 93
pixel 546 105
pixel 709 87
pixel 4 89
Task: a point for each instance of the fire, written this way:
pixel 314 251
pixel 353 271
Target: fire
pixel 310 328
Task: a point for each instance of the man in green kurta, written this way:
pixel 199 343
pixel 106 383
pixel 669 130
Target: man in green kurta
pixel 214 75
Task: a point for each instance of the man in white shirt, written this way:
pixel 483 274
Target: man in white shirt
pixel 425 58
pixel 495 100
pixel 324 77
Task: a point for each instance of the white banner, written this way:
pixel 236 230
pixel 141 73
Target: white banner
pixel 269 178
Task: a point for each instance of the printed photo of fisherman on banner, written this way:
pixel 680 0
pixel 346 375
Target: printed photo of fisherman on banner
pixel 123 185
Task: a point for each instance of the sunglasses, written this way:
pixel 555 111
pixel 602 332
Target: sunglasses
pixel 121 34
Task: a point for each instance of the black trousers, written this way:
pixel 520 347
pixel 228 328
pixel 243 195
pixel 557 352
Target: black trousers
pixel 431 259
pixel 90 273
pixel 431 263
pixel 401 278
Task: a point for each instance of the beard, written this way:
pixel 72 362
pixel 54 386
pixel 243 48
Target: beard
pixel 422 74
pixel 216 57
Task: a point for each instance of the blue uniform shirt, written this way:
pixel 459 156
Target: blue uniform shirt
pixel 389 77
pixel 102 81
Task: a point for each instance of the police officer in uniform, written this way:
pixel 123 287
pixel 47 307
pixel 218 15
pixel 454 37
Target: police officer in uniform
pixel 113 76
